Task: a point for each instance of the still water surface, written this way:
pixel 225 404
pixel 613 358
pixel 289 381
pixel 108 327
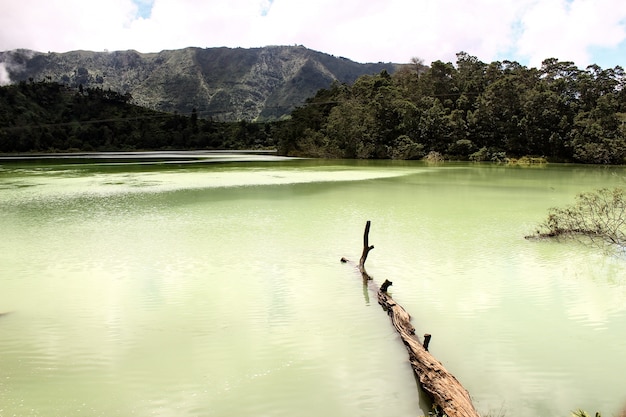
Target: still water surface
pixel 210 285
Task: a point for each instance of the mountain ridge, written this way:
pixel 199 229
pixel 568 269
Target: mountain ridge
pixel 226 84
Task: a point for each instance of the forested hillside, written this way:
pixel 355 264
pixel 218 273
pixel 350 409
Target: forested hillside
pixel 468 111
pixel 471 110
pixel 46 116
pixel 225 84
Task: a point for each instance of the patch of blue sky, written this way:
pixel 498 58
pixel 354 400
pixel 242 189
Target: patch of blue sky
pixel 611 57
pixel 144 8
pixel 510 53
pixel 266 5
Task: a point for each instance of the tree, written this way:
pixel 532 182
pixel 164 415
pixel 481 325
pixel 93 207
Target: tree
pixel 598 137
pixel 351 128
pixel 469 78
pixel 194 120
pixel 418 65
pixel 545 123
pixel 434 127
pixel 498 113
pixel 313 116
pixel 439 82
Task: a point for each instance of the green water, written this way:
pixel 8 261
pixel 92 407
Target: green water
pixel 175 286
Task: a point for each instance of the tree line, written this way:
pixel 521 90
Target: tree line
pixel 469 111
pixel 47 116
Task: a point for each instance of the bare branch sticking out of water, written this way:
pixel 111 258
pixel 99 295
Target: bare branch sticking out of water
pixel 598 218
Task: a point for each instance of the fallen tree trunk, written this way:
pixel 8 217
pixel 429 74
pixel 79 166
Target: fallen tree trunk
pixel 445 390
pixel 448 395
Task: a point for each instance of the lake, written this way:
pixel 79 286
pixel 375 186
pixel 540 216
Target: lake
pixel 210 284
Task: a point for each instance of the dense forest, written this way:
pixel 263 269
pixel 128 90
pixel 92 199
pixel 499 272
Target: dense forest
pixel 472 111
pixel 47 117
pixel 468 111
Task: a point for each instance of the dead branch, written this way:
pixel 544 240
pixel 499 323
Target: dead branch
pixel 366 250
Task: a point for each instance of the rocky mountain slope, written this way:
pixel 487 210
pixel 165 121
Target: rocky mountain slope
pixel 221 83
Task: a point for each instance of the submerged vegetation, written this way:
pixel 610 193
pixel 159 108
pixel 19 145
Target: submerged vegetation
pixel 597 217
pixel 583 413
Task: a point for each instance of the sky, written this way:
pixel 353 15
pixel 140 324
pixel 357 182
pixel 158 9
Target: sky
pixel 527 31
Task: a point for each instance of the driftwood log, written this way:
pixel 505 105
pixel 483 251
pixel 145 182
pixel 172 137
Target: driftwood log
pixel 448 395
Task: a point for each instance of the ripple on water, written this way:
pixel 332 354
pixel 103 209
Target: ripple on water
pixel 143 299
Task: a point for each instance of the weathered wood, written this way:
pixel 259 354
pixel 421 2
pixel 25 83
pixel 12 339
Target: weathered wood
pixel 385 285
pixel 366 250
pixel 446 392
pixel 427 337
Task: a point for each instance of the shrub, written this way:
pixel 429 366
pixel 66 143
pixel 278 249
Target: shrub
pixel 597 217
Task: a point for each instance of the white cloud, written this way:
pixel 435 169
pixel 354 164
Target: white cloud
pixel 61 25
pixel 4 75
pixel 365 31
pixel 567 30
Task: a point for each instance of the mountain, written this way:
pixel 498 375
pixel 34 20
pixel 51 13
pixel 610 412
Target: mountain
pixel 222 83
